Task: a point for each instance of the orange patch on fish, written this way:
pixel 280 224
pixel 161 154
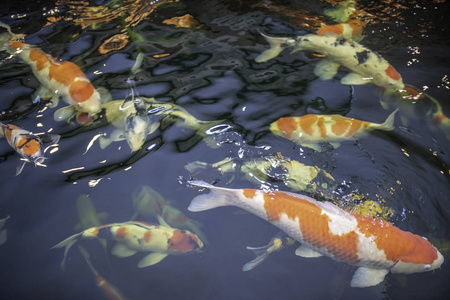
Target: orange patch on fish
pixel 121 232
pixel 65 72
pixel 322 128
pixel 392 73
pixel 147 236
pixel 81 91
pixel 336 29
pixel 357 27
pixel 355 125
pixel 340 126
pixel 249 193
pixel 307 122
pixel 287 125
pixel 388 239
pixel 314 225
pixel 181 242
pixel 29 146
pixel 41 60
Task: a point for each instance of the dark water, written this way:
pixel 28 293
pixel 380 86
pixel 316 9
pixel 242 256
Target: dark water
pixel 211 73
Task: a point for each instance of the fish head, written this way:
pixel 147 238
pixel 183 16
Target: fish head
pixel 390 80
pixel 86 97
pixel 424 257
pixel 30 148
pixel 184 241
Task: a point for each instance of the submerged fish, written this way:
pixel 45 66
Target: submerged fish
pixel 311 130
pixel 134 127
pixel 63 79
pixel 375 246
pixel 110 291
pixel 131 237
pixel 261 170
pixel 365 65
pixel 3 232
pixel 150 204
pixel 27 144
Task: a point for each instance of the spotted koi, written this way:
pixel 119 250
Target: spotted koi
pixel 132 236
pixel 63 79
pixel 28 145
pixel 365 65
pixel 373 245
pixel 311 130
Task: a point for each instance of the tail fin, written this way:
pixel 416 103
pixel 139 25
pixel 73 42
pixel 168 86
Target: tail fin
pixel 67 244
pixel 276 46
pixel 216 198
pixel 388 125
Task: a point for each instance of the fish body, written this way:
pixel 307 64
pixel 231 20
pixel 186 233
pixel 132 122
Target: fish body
pixel 63 79
pixel 28 145
pixel 149 203
pixel 132 237
pixel 375 246
pixel 270 168
pixel 365 65
pixel 311 130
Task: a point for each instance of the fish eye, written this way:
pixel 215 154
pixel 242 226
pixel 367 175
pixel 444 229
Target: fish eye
pixel 427 267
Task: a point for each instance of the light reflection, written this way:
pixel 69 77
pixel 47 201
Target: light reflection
pixel 151 146
pixel 71 170
pixel 128 168
pixel 94 182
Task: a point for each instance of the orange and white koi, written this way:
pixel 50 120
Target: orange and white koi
pixel 110 291
pixel 311 130
pixel 373 245
pixel 131 237
pixel 365 65
pixel 63 79
pixel 27 144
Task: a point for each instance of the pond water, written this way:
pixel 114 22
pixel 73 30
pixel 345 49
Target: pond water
pixel 207 67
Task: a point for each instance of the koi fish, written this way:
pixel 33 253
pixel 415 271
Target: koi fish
pixel 374 246
pixel 3 236
pixel 279 241
pixel 131 237
pixel 63 79
pixel 134 127
pixel 310 130
pixel 296 175
pixel 27 144
pixel 110 291
pixel 365 65
pixel 150 204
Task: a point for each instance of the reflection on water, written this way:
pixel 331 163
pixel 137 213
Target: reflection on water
pixel 199 106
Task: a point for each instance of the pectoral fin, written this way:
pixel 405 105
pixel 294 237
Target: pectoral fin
pixel 355 79
pixel 306 252
pixel 326 69
pixel 121 250
pixel 365 277
pixel 151 259
pixel 64 113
